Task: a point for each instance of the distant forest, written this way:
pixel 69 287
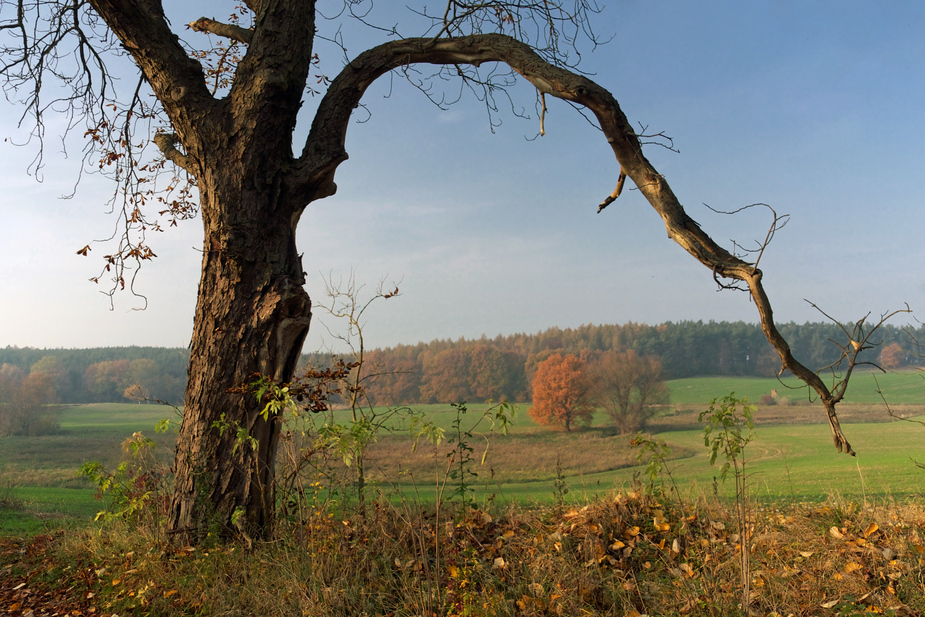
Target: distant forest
pixel 501 368
pixel 103 374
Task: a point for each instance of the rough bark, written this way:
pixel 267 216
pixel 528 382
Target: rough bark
pixel 252 314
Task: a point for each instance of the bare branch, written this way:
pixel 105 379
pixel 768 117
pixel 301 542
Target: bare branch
pixel 229 31
pixel 166 142
pixel 616 192
pixel 778 223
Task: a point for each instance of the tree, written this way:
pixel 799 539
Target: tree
pixel 107 380
pixel 495 375
pixel 560 392
pixel 628 386
pixel 397 380
pixel 446 377
pixel 226 117
pixel 24 402
pixel 892 356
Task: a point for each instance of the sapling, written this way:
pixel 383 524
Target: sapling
pixel 728 430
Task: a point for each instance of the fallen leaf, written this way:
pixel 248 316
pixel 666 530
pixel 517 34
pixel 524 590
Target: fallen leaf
pixel 872 528
pixel 829 604
pixel 835 533
pixel 852 566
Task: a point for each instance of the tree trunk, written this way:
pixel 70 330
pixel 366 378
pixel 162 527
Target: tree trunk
pixel 252 317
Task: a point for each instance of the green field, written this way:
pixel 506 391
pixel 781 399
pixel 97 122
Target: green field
pixel 905 388
pixel 791 457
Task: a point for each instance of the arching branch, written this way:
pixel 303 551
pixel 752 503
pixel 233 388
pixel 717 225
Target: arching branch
pixel 325 150
pixel 176 78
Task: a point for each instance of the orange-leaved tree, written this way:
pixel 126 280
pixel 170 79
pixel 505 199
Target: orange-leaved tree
pixel 560 392
pixel 892 356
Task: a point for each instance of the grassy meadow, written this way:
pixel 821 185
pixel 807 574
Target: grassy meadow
pixel 790 457
pixel 828 534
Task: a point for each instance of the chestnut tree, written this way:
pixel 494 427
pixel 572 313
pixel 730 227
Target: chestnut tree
pixel 223 119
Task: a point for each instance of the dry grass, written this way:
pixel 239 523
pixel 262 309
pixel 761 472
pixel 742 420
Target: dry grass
pixel 624 555
pixel 526 457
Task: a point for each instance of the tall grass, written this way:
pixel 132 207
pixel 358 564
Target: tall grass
pixel 623 554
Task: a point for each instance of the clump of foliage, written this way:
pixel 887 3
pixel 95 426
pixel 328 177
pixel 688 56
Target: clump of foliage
pixel 137 489
pixel 25 401
pixel 727 432
pixel 628 387
pixel 560 392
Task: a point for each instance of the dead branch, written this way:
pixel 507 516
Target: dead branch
pixel 229 31
pixel 166 143
pixel 858 341
pixel 778 223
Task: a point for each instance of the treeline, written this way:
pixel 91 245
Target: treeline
pixel 470 370
pixel 501 368
pixel 103 374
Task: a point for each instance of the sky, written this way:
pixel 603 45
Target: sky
pixel 812 108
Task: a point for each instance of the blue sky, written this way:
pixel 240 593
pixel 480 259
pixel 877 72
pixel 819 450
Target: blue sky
pixel 813 108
